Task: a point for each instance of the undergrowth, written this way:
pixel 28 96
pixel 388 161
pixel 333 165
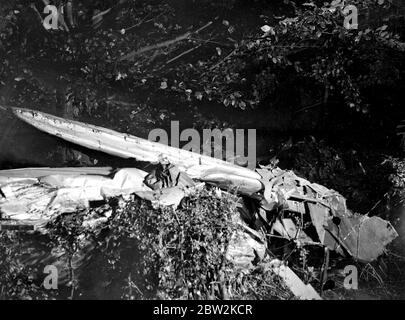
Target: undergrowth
pixel 137 251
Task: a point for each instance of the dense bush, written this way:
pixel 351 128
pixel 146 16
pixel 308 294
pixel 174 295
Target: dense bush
pixel 172 253
pixel 18 280
pixel 141 252
pixel 313 47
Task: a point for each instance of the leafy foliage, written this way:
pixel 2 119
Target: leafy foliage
pixel 307 49
pixel 140 252
pixel 313 47
pixel 176 254
pixel 17 280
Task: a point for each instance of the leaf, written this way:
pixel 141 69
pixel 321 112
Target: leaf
pixel 198 95
pixel 265 28
pixel 335 3
pixel 268 30
pixel 163 85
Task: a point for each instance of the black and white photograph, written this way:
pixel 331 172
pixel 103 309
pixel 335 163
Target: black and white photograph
pixel 223 153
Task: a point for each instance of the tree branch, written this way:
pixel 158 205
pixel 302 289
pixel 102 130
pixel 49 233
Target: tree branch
pixel 163 44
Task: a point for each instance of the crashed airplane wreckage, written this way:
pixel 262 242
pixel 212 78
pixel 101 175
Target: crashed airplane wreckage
pixel 285 205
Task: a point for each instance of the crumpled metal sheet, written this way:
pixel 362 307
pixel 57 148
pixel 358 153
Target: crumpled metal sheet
pixel 362 237
pixel 301 290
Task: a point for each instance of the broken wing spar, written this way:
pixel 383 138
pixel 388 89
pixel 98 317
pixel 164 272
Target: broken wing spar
pixel 127 146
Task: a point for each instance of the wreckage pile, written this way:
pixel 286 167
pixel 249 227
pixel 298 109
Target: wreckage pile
pixel 272 204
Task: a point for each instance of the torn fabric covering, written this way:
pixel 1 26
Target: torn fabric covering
pixel 164 197
pixel 37 200
pixel 7 176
